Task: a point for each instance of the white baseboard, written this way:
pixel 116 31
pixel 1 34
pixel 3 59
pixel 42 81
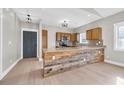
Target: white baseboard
pixel 115 63
pixel 41 61
pixel 3 74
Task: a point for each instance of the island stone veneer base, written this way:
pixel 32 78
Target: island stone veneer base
pixel 56 62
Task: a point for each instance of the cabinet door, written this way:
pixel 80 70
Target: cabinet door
pixel 89 35
pixel 96 34
pixel 100 33
pixel 73 37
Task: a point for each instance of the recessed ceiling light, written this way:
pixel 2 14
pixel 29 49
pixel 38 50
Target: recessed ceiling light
pixel 89 15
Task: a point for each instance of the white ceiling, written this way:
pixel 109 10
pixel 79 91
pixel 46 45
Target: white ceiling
pixel 75 16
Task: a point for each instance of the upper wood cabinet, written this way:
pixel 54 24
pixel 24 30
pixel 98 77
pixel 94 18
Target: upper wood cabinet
pixel 73 37
pixel 94 34
pixel 70 36
pixel 65 35
pixel 60 35
pixel 89 35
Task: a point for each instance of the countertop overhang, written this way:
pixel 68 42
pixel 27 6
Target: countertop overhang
pixel 71 48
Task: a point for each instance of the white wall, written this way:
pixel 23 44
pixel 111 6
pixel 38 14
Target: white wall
pixel 29 25
pixel 107 25
pixel 11 33
pixel 0 41
pixel 52 34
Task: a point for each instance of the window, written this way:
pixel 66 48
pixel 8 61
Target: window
pixel 82 37
pixel 119 36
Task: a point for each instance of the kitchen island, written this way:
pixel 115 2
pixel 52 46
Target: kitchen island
pixel 62 59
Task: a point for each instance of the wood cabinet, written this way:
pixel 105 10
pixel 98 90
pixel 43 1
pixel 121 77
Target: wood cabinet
pixel 65 35
pixel 71 36
pixel 94 34
pixel 62 60
pixel 60 35
pixel 89 35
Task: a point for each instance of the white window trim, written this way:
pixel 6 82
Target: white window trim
pixel 80 37
pixel 1 50
pixel 115 37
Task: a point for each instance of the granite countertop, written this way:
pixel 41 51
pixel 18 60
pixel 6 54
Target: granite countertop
pixel 72 48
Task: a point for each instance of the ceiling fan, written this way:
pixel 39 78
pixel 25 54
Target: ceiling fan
pixel 64 24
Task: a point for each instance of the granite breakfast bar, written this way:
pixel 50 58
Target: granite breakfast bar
pixel 61 59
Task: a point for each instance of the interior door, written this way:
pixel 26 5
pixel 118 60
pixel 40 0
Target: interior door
pixel 29 44
pixel 44 39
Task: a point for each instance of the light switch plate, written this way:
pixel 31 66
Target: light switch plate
pixel 10 43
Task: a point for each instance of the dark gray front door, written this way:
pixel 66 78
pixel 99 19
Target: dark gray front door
pixel 29 44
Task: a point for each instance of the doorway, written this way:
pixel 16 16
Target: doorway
pixel 29 44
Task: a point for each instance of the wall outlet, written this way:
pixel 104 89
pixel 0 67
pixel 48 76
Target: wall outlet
pixel 99 52
pixel 97 44
pixel 10 43
pixel 53 57
pixel 84 59
pixel 107 57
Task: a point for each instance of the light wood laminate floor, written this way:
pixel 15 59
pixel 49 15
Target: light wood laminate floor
pixel 28 71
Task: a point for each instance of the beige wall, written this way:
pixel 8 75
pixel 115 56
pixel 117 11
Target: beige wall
pixel 107 25
pixel 11 38
pixel 29 25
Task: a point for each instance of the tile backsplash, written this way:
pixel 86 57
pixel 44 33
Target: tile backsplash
pixel 91 43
